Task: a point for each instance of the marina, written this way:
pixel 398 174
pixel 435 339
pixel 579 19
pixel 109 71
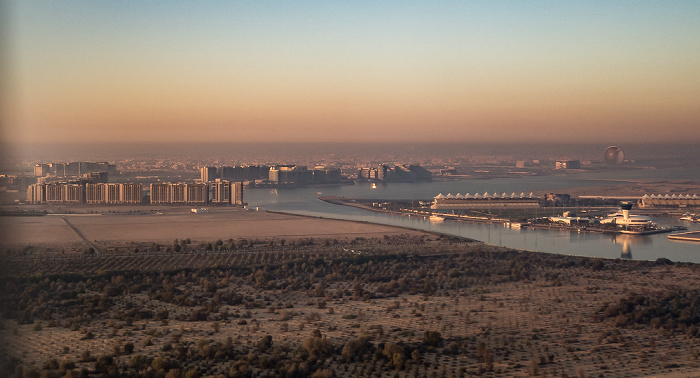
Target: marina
pixel 559 240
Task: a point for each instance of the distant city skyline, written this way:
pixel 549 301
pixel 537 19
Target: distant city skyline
pixel 447 71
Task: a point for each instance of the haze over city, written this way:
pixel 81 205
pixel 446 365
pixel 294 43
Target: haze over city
pixel 82 71
pixel 349 189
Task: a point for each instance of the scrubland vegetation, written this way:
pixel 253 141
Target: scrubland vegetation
pixel 403 305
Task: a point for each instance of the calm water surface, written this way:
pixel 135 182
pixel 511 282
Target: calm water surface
pixel 304 201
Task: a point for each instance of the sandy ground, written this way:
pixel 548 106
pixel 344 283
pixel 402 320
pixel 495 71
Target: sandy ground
pixel 179 223
pixel 36 230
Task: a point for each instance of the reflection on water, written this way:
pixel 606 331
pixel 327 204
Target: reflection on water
pixel 304 201
pixel 627 240
pixel 626 252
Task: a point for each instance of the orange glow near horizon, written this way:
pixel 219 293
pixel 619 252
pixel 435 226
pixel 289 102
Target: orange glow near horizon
pixel 357 79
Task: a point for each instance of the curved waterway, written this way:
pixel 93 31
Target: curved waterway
pixel 304 201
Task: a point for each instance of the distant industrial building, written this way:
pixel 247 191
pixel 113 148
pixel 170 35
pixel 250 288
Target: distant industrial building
pixel 326 175
pixel 666 201
pixel 95 177
pixel 557 199
pixel 286 174
pixel 458 202
pixel 295 175
pixel 238 173
pixel 244 173
pixel 568 164
pixel 41 170
pixel 227 173
pixel 396 173
pixel 76 168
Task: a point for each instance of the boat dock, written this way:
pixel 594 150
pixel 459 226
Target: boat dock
pixel 693 236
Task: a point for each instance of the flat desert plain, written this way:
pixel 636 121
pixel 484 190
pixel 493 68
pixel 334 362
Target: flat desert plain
pixel 98 227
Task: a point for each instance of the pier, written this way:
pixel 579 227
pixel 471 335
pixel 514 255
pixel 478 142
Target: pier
pixel 693 236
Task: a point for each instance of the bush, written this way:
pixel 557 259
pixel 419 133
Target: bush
pixel 265 343
pixel 50 364
pixel 355 349
pixel 128 348
pixel 432 338
pixel 317 346
pixel 323 373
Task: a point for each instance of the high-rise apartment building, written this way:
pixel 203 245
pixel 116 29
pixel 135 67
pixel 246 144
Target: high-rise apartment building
pixel 180 193
pixel 130 193
pixel 36 193
pixel 55 192
pixel 63 193
pixel 41 170
pixel 197 193
pixel 94 193
pixel 220 192
pixel 114 193
pixel 207 174
pixel 237 193
pixel 160 193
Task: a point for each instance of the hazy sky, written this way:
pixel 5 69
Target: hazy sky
pixel 354 70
